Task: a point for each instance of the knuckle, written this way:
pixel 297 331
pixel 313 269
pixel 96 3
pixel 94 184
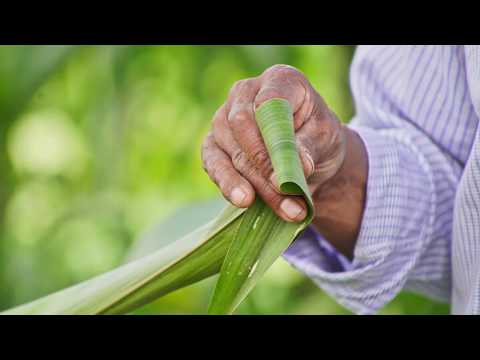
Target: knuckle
pixel 261 161
pixel 239 117
pixel 240 85
pixel 282 70
pixel 260 157
pixel 258 163
pixel 247 83
pixel 284 84
pixel 269 93
pixel 240 161
pixel 236 85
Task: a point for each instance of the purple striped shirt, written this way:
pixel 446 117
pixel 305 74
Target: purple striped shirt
pixel 417 111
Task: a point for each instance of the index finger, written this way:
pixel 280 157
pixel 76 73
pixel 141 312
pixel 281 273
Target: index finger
pixel 244 129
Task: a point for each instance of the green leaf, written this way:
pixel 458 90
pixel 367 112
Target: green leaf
pixel 262 236
pixel 194 257
pixel 179 223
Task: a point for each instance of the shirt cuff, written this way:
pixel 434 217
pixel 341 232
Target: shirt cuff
pixel 394 227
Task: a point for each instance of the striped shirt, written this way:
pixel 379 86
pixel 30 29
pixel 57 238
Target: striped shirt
pixel 417 111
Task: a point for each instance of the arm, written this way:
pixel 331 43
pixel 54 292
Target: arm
pixel 404 235
pixel 380 195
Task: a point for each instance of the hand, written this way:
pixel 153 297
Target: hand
pixel 236 159
pixel 235 156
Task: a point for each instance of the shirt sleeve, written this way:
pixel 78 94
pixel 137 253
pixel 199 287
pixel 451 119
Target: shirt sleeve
pixel 405 234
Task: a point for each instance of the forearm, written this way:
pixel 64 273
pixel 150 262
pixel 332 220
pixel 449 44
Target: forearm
pixel 339 203
pixel 404 233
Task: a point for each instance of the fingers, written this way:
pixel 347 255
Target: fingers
pixel 257 173
pixel 244 130
pixel 218 165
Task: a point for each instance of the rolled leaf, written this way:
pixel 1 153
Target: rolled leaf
pixel 262 236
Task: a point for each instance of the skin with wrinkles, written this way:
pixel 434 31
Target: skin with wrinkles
pixel 333 156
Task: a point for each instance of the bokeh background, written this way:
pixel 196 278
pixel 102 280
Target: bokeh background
pixel 100 157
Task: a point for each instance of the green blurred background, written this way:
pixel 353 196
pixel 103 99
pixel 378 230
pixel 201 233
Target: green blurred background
pixel 100 157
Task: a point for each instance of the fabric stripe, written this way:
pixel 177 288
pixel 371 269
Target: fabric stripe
pixel 417 113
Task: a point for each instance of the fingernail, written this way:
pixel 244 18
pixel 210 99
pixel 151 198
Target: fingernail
pixel 311 164
pixel 292 209
pixel 237 196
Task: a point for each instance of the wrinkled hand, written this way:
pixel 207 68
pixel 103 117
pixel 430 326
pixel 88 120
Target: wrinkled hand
pixel 234 154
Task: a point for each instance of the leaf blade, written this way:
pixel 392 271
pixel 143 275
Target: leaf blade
pixel 191 258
